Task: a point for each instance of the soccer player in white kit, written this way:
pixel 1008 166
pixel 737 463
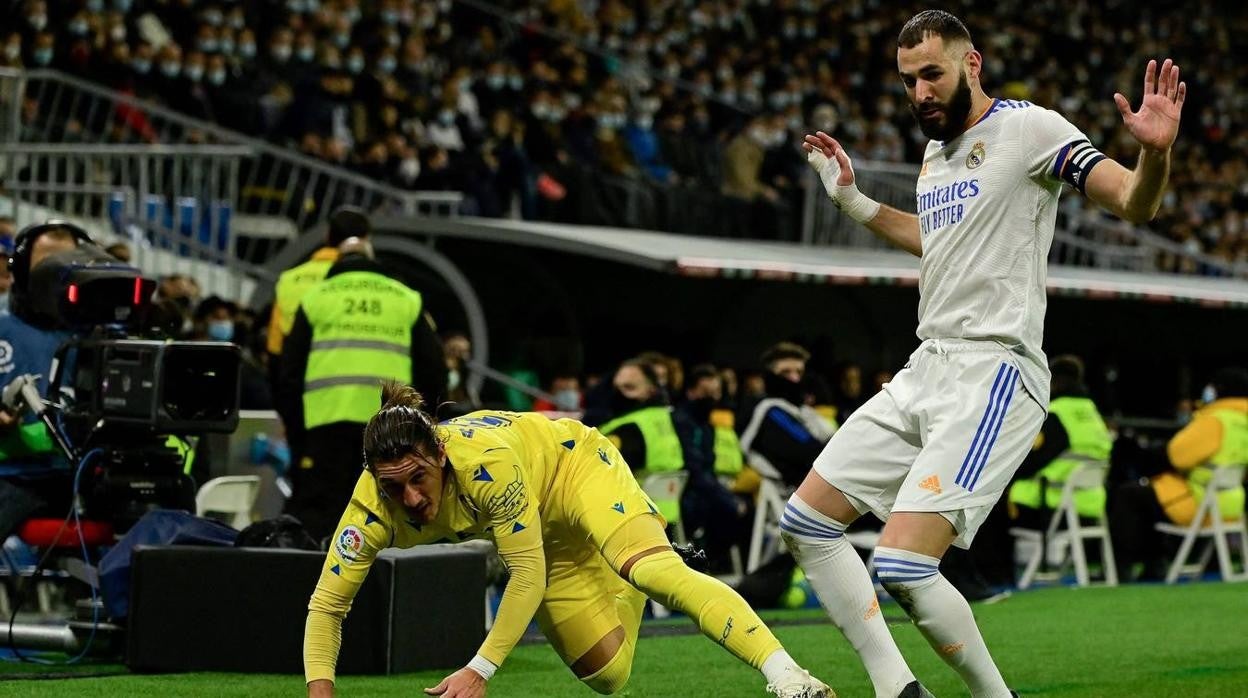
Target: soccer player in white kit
pixel 933 451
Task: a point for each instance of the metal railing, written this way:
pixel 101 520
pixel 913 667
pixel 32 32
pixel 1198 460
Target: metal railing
pixel 46 106
pixel 1084 236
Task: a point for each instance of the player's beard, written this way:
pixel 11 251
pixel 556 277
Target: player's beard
pixel 954 114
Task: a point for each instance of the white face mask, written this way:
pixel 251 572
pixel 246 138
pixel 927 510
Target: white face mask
pixel 1208 395
pixel 452 379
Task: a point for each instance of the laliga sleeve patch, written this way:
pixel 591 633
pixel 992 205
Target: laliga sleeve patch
pixel 349 544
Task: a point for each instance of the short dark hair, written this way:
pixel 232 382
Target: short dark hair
pixel 932 23
pixel 1068 367
pixel 783 350
pixel 347 222
pixel 646 368
pixel 701 371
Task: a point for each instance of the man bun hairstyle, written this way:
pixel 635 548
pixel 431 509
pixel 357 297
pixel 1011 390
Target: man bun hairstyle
pixel 400 428
pixel 932 23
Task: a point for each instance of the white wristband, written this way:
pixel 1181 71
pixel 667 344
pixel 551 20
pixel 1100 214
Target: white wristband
pixel 484 667
pixel 855 204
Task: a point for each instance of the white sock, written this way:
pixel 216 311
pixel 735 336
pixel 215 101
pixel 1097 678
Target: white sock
pixel 942 616
pixel 777 665
pixel 844 588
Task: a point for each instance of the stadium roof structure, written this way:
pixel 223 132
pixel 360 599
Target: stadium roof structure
pixel 705 257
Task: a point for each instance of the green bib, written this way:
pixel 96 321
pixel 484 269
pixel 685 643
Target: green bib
pixel 1232 454
pixel 361 335
pixel 1089 440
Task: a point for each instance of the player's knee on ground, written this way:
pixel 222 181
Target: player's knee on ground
pixel 613 676
pixel 902 572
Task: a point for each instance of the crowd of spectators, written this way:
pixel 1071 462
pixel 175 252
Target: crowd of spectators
pixel 515 105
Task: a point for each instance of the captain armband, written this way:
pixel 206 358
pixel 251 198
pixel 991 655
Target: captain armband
pixel 1074 162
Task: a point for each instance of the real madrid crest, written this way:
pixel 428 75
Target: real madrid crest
pixel 976 157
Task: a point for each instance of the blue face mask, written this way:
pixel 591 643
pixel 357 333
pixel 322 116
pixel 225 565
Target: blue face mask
pixel 221 330
pixel 43 56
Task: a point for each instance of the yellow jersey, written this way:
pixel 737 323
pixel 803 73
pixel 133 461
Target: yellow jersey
pixel 503 468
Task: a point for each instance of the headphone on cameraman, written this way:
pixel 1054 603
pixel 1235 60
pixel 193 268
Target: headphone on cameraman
pixel 19 261
pixel 24 243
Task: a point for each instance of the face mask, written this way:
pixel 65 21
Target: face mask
pixel 208 45
pixel 194 73
pixel 12 51
pixel 170 69
pixel 227 46
pixel 212 19
pixel 4 301
pixel 701 408
pixel 386 65
pixel 78 28
pixel 306 53
pixel 342 40
pixel 644 122
pixel 446 117
pixel 221 330
pixel 141 66
pixel 238 21
pixel 409 169
pixel 217 77
pixel 117 33
pixel 465 84
pixel 389 17
pixel 247 50
pixel 38 22
pixel 515 82
pixel 122 6
pixel 496 82
pixel 452 379
pixel 355 65
pixel 541 110
pixel 281 53
pixel 1208 395
pixel 568 400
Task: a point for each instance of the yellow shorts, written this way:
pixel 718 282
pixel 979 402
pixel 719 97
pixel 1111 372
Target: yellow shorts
pixel 585 599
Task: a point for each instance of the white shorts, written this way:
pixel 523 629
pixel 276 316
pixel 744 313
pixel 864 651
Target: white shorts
pixel 946 436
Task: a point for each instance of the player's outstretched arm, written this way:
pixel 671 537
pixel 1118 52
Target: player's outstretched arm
pixel 836 170
pixel 1135 195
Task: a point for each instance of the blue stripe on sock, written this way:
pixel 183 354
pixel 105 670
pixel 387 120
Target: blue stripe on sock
pixel 903 578
pixel 898 571
pixel 982 422
pixel 978 470
pixel 808 521
pixel 908 563
pixel 791 526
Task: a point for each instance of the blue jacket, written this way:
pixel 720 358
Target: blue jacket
pixel 26 349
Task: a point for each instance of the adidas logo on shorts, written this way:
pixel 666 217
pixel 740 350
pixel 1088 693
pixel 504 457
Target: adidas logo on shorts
pixel 931 482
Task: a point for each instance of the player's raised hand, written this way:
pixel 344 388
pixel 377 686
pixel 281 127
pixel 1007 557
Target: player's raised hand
pixel 1156 124
pixel 464 683
pixel 830 160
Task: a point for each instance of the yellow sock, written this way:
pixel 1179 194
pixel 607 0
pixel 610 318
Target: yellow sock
pixel 720 612
pixel 614 674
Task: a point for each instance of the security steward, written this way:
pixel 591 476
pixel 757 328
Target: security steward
pixel 352 331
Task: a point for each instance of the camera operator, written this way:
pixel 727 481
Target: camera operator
pixel 32 477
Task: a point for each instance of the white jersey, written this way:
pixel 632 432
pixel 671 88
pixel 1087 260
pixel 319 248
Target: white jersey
pixel 987 204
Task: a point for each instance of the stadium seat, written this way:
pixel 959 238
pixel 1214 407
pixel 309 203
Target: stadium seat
pixel 665 489
pixel 232 495
pixel 1209 523
pixel 1066 544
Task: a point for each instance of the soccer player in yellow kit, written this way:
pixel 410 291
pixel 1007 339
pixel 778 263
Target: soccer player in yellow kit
pixel 583 543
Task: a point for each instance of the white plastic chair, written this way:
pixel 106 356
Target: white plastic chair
pixel 772 495
pixel 666 488
pixel 1066 544
pixel 1208 523
pixel 234 495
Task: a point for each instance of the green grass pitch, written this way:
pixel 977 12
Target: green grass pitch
pixel 1190 641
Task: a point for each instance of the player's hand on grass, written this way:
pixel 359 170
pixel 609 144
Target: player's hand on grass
pixel 1156 124
pixel 464 683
